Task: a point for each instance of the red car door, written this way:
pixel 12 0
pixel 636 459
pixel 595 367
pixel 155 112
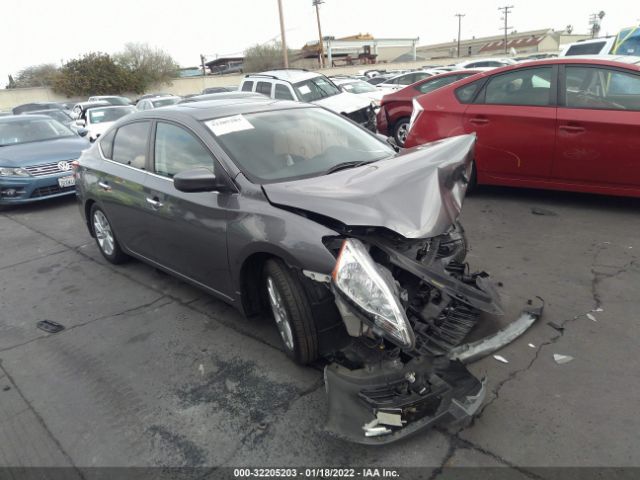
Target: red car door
pixel 514 118
pixel 598 138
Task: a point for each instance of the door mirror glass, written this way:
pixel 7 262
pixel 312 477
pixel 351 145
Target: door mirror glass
pixel 80 122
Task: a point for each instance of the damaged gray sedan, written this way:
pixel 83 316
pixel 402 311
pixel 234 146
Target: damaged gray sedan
pixel 291 211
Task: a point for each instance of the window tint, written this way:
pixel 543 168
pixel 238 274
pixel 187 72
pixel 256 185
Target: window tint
pixel 601 88
pixel 177 150
pixel 283 92
pixel 247 86
pixel 529 86
pixel 264 88
pixel 592 48
pixel 467 93
pixel 106 144
pixel 130 144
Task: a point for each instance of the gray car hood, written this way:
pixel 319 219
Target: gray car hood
pixel 416 194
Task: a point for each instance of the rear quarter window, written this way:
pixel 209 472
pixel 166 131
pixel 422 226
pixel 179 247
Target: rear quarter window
pixel 467 93
pixel 593 48
pixel 106 144
pixel 247 86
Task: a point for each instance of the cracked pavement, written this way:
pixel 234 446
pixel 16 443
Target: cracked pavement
pixel 151 371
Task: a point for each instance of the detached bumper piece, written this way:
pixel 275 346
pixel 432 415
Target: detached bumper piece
pixel 382 403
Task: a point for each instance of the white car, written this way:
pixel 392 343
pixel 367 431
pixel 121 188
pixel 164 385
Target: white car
pixel 486 62
pixel 593 46
pixel 359 87
pixel 157 102
pixel 401 81
pixel 305 86
pixel 98 120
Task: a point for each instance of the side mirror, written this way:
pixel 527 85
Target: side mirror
pixel 199 180
pixel 82 132
pixel 80 122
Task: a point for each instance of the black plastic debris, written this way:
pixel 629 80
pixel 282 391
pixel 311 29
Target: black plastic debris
pixel 556 326
pixel 543 211
pixel 50 326
pixel 6 388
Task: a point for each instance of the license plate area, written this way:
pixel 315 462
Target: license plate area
pixel 64 182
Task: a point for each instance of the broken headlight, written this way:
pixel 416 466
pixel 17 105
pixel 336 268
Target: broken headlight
pixel 356 277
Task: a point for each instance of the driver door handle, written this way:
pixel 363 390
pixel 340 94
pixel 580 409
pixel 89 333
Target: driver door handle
pixel 105 186
pixel 154 202
pixel 571 128
pixel 479 120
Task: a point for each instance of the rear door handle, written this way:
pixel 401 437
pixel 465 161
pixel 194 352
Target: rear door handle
pixel 105 186
pixel 571 128
pixel 154 202
pixel 479 120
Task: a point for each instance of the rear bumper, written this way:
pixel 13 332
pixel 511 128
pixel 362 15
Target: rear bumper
pixel 19 190
pixel 386 402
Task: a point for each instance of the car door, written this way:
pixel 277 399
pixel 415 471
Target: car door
pixel 598 126
pixel 188 231
pixel 121 181
pixel 514 117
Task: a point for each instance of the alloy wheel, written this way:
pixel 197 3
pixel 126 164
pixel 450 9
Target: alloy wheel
pixel 103 232
pixel 280 313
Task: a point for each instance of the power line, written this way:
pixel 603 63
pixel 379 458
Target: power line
pixel 506 10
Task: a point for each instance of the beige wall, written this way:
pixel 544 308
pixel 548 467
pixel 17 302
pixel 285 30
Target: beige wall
pixel 11 97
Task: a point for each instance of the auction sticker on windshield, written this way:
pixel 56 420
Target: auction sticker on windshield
pixel 222 126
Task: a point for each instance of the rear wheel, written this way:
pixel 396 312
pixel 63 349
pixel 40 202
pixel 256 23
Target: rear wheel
pixel 291 311
pixel 400 131
pixel 105 238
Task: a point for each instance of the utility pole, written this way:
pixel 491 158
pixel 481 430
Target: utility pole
pixel 282 37
pixel 459 15
pixel 316 3
pixel 594 21
pixel 204 70
pixel 506 10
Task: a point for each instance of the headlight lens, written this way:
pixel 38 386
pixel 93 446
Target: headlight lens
pixel 356 276
pixel 13 172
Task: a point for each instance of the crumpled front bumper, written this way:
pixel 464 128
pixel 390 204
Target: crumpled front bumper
pixel 386 402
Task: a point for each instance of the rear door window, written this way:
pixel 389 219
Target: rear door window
pixel 130 144
pixel 264 88
pixel 527 87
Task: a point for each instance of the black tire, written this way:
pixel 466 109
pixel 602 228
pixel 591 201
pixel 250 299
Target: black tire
pixel 114 254
pixel 303 347
pixel 400 131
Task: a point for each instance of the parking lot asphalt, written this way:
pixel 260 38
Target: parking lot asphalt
pixel 152 371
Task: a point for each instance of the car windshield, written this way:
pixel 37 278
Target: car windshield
pixel 32 130
pixel 164 102
pixel 109 114
pixel 315 88
pixel 284 145
pixel 359 87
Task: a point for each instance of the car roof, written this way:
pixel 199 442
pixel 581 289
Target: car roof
pixel 290 75
pixel 17 118
pixel 99 103
pixel 220 95
pixel 225 107
pixel 107 107
pixel 627 61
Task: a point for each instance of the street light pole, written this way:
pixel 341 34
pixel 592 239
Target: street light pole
pixel 282 36
pixel 317 3
pixel 506 10
pixel 459 15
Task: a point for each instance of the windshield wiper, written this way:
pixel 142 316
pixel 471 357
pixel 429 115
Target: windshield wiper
pixel 345 165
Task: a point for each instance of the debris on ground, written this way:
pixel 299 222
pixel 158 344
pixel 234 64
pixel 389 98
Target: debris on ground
pixel 531 345
pixel 543 211
pixel 500 358
pixel 591 317
pixel 556 326
pixel 50 326
pixel 561 359
pixel 598 310
pixel 201 369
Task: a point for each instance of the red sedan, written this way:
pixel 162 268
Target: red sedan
pixel 565 124
pixel 395 108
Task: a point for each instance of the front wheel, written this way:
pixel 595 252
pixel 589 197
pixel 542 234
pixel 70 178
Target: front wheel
pixel 400 131
pixel 105 238
pixel 291 311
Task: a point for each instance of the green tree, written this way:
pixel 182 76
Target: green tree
pixel 150 65
pixel 36 76
pixel 95 74
pixel 264 57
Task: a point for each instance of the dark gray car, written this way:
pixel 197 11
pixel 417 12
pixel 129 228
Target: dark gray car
pixel 289 210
